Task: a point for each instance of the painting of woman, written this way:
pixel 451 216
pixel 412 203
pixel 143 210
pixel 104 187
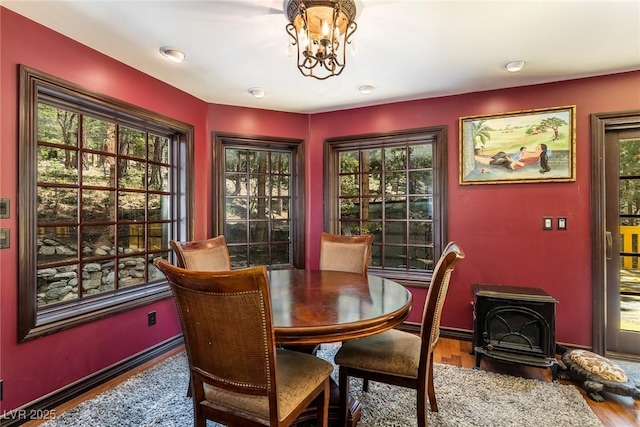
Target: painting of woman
pixel 514 162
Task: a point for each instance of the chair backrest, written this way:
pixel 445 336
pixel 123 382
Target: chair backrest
pixel 430 330
pixel 203 255
pixel 345 253
pixel 227 325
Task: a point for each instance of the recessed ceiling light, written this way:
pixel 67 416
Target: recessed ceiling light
pixel 257 92
pixel 365 89
pixel 514 66
pixel 173 54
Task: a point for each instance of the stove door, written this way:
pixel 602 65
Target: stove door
pixel 518 330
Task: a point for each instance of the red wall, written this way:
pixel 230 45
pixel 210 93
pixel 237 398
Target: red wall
pixel 498 226
pixel 44 365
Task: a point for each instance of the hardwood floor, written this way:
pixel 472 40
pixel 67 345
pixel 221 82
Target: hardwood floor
pixel 615 411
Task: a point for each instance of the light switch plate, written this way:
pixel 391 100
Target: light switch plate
pixel 562 223
pixel 547 223
pixel 4 208
pixel 4 238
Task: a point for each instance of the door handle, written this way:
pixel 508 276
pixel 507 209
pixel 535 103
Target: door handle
pixel 608 249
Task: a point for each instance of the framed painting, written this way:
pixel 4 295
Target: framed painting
pixel 518 147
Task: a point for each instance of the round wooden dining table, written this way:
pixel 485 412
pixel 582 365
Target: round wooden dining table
pixel 312 307
pixel 321 306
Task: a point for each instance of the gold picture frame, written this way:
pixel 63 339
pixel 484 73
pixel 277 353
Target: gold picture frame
pixel 518 147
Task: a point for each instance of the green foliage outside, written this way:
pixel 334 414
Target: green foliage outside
pixel 113 165
pixel 388 192
pixel 258 206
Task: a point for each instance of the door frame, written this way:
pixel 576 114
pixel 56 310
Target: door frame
pixel 600 123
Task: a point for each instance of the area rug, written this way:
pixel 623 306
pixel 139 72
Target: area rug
pixel 466 397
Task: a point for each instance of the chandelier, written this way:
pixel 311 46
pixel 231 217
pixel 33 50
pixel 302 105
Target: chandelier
pixel 321 31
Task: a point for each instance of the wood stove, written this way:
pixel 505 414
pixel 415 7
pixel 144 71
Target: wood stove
pixel 514 324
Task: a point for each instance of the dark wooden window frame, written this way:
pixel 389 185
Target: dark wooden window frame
pixel 34 322
pixel 296 146
pixel 436 135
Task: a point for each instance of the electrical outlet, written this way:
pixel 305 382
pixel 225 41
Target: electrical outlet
pixel 151 317
pixel 547 223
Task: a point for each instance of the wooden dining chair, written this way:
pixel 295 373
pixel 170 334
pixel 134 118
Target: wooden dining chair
pixel 402 358
pixel 238 377
pixel 345 253
pixel 203 255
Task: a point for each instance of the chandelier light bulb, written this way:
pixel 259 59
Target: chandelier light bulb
pixel 303 40
pixel 325 28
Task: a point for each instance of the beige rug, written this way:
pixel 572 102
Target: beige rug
pixel 466 397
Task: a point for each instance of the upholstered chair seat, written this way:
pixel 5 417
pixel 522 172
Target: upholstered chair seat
pixel 298 375
pixel 392 352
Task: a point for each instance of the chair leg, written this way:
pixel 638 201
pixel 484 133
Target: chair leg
pixel 197 396
pixel 365 384
pixel 199 419
pixel 322 406
pixel 431 391
pixel 343 384
pixel 422 409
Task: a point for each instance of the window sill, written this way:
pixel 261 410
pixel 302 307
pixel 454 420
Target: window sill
pixel 64 316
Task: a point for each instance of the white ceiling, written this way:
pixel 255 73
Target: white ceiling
pixel 408 49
